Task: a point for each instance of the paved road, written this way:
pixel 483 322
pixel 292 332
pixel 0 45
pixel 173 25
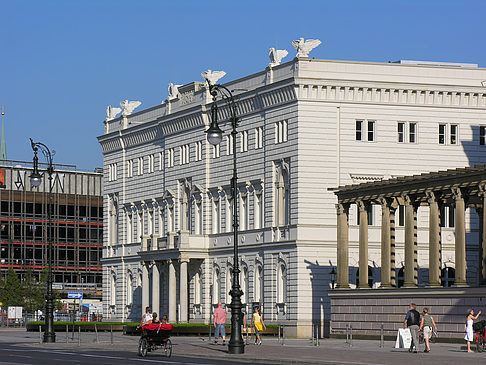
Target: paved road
pixel 21 347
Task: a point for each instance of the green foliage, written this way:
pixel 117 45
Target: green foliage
pixel 11 292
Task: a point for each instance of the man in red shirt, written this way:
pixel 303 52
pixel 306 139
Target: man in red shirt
pixel 219 323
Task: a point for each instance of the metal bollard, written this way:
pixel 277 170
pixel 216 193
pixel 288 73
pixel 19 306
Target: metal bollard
pixel 67 333
pixel 347 333
pixel 40 334
pixel 96 331
pixel 382 336
pixel 79 335
pixel 350 336
pixel 111 330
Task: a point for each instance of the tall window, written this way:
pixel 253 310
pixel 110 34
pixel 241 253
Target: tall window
pixel 140 166
pixel 170 157
pixel 198 217
pixel 216 150
pixel 161 161
pixel 113 290
pixel 198 151
pixel 151 163
pixel 283 196
pixel 371 131
pixel 453 134
pixel 229 283
pixel 482 135
pixel 216 286
pixel 412 132
pixel 442 133
pixel 229 213
pixel 243 211
pixel 216 216
pixel 243 141
pixel 184 152
pixel 244 284
pixel 258 137
pixel 359 130
pixel 281 283
pixel 401 132
pixel 281 132
pixel 129 168
pixel 447 216
pixel 170 219
pixel 112 172
pixel 130 289
pixel 198 287
pixel 129 227
pixel 229 144
pixel 113 221
pixel 258 289
pixel 257 210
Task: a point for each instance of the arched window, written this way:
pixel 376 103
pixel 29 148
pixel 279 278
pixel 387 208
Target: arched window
pixel 281 283
pixel 229 283
pixel 130 289
pixel 257 294
pixel 400 277
pixel 370 277
pixel 282 195
pixel 448 276
pixel 216 286
pixel 198 287
pixel 113 290
pixel 244 284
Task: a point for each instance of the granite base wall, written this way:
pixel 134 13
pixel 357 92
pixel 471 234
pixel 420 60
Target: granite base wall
pixel 366 310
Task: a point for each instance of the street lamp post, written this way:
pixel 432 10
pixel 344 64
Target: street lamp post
pixel 215 135
pixel 35 180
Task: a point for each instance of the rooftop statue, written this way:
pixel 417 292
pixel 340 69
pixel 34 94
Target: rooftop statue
pixel 111 112
pixel 129 106
pixel 276 56
pixel 212 76
pixel 304 48
pixel 173 91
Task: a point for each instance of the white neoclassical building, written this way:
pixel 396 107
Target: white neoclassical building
pixel 307 126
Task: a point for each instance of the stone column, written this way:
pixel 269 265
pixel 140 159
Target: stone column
pixel 385 243
pixel 393 207
pixel 410 242
pixel 145 287
pixel 482 246
pixel 460 223
pixel 155 288
pixel 183 283
pixel 363 244
pixel 172 292
pixel 434 239
pixel 342 245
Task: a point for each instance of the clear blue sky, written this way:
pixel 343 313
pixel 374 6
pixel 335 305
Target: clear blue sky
pixel 62 62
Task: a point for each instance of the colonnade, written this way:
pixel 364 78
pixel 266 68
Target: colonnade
pixel 155 267
pixel 390 195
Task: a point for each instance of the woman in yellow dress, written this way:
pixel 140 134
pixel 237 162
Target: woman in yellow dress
pixel 258 325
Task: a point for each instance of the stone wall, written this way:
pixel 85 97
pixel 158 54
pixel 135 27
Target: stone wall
pixel 367 309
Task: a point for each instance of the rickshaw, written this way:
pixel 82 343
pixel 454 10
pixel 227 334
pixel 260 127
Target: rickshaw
pixel 155 336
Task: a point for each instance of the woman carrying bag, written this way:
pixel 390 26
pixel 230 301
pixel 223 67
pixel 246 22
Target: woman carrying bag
pixel 257 322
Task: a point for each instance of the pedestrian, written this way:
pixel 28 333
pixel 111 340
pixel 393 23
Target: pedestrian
pixel 426 325
pixel 468 328
pixel 412 321
pixel 219 323
pixel 259 325
pixel 154 319
pixel 147 316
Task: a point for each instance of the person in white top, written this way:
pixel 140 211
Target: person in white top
pixel 468 328
pixel 147 316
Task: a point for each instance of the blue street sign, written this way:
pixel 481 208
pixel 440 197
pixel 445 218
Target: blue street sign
pixel 75 295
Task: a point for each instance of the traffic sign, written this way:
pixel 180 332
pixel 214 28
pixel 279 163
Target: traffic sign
pixel 75 295
pixel 57 286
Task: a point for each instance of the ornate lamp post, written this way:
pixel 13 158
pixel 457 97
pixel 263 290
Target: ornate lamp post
pixel 35 180
pixel 215 135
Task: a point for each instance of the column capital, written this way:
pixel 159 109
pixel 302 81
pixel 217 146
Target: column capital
pixel 482 189
pixel 342 208
pixel 362 205
pixel 184 260
pixel 386 202
pixel 431 196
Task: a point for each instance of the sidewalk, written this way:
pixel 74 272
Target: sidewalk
pixel 295 351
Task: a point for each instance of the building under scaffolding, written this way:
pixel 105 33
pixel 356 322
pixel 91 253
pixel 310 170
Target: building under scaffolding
pixel 77 225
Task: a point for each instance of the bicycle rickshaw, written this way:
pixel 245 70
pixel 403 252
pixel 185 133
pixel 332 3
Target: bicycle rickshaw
pixel 155 336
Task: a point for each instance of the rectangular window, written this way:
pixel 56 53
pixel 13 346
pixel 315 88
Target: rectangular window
pixel 257 213
pixel 442 133
pixel 401 216
pixel 216 216
pixel 216 151
pixel 184 152
pixel 151 163
pixel 447 216
pixel 371 131
pixel 198 151
pixel 112 172
pixel 412 131
pixel 401 132
pixel 482 135
pixel 258 138
pixel 244 141
pixel 161 162
pixel 140 166
pixel 281 133
pixel 170 157
pixel 229 145
pixel 359 130
pixel 453 134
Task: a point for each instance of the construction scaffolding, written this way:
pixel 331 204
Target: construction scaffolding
pixel 77 225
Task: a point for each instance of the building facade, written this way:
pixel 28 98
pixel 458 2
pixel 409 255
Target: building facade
pixel 77 226
pixel 306 126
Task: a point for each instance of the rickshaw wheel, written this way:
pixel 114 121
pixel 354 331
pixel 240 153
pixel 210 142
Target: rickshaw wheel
pixel 143 347
pixel 168 348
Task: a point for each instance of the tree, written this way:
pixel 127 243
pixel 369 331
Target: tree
pixel 12 290
pixel 33 293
